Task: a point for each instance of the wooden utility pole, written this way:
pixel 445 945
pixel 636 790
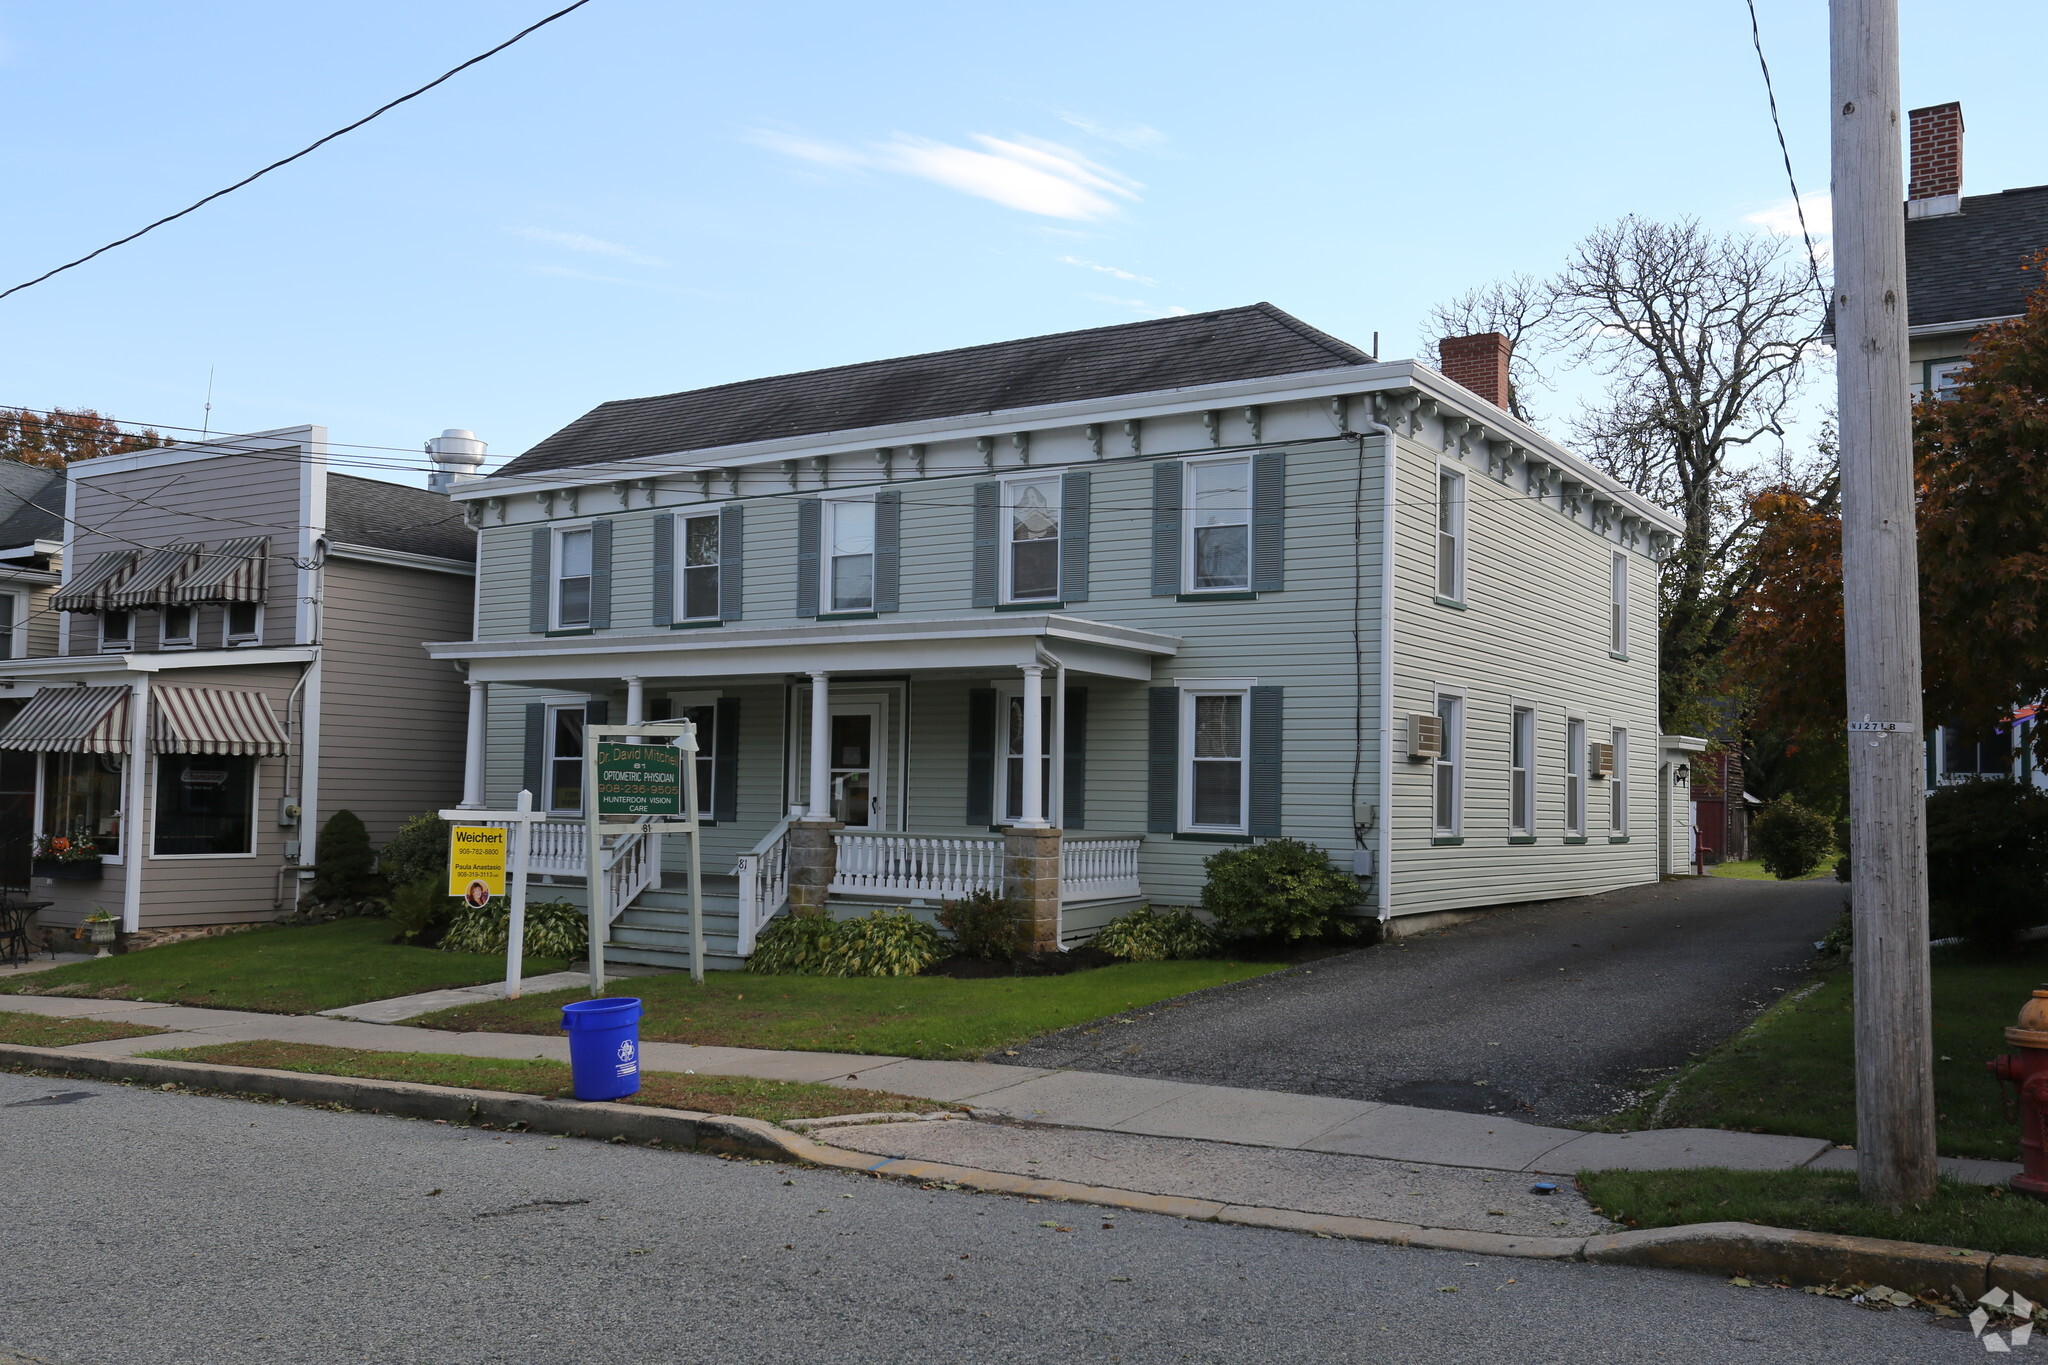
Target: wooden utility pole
pixel 1895 1159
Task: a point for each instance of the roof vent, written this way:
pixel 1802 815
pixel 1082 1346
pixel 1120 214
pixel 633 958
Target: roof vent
pixel 458 457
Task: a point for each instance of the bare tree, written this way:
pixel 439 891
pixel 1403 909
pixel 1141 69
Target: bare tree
pixel 1517 307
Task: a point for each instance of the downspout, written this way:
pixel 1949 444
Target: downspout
pixel 135 804
pixel 1383 853
pixel 288 804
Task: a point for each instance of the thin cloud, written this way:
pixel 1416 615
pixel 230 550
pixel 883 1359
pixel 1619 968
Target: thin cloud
pixel 563 272
pixel 1108 270
pixel 1150 310
pixel 1782 218
pixel 594 246
pixel 1136 136
pixel 1027 174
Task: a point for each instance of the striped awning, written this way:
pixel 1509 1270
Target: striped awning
pixel 88 589
pixel 231 571
pixel 71 720
pixel 151 583
pixel 211 720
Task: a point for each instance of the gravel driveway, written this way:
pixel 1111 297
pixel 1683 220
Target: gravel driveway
pixel 1551 1012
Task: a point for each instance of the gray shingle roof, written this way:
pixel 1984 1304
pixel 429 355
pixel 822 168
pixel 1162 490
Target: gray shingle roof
pixel 31 504
pixel 393 516
pixel 1969 265
pixel 1254 342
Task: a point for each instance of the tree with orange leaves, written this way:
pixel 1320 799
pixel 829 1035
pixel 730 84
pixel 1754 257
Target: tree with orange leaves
pixel 55 439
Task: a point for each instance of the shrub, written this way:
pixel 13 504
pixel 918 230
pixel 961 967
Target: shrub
pixel 1791 839
pixel 343 867
pixel 1281 888
pixel 553 929
pixel 1987 860
pixel 420 911
pixel 1148 935
pixel 417 852
pixel 982 925
pixel 880 943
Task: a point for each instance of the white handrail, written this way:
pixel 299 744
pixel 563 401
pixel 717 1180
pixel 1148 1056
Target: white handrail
pixel 764 884
pixel 632 859
pixel 917 866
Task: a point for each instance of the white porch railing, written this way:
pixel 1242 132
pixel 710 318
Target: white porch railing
pixel 632 860
pixel 1098 869
pixel 764 884
pixel 917 866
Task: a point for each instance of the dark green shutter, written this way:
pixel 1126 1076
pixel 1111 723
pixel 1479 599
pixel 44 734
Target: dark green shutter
pixel 541 584
pixel 1074 760
pixel 1269 521
pixel 988 513
pixel 807 534
pixel 731 550
pixel 597 711
pixel 600 575
pixel 1166 529
pixel 664 569
pixel 981 755
pixel 888 547
pixel 1162 760
pixel 1265 762
pixel 1074 490
pixel 725 760
pixel 533 772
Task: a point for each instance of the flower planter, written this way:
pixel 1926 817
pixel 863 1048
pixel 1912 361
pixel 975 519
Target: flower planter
pixel 101 934
pixel 70 870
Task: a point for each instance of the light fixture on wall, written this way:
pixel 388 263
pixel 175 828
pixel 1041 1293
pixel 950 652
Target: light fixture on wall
pixel 1681 775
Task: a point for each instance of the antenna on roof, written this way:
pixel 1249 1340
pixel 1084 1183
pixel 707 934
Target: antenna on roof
pixel 1375 347
pixel 206 422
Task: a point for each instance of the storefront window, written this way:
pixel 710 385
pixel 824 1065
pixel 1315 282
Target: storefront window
pixel 82 797
pixel 204 804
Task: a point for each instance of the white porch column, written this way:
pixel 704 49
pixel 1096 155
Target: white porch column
pixel 636 700
pixel 135 804
pixel 821 749
pixel 473 756
pixel 1034 747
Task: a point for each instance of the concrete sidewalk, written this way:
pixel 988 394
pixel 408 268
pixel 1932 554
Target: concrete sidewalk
pixel 1139 1106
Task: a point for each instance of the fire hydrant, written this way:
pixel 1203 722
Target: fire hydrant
pixel 2028 1070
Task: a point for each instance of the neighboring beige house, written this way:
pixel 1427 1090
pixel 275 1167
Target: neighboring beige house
pixel 31 563
pixel 248 622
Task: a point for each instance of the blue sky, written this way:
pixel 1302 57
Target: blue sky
pixel 646 197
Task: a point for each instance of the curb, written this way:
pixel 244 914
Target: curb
pixel 1717 1248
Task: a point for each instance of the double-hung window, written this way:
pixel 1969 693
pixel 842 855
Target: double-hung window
pixel 1618 784
pixel 698 585
pixel 572 578
pixel 1012 795
pixel 1448 797
pixel 565 758
pixel 13 624
pixel 1031 540
pixel 1218 517
pixel 1617 604
pixel 1522 771
pixel 117 630
pixel 1214 785
pixel 180 627
pixel 1575 778
pixel 705 717
pixel 849 559
pixel 1450 535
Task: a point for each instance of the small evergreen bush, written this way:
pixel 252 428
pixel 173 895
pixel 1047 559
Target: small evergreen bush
pixel 982 925
pixel 1987 860
pixel 553 928
pixel 880 943
pixel 344 873
pixel 418 851
pixel 1279 888
pixel 1148 935
pixel 1791 839
pixel 420 911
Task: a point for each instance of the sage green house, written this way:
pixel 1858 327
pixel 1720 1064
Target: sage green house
pixel 1069 614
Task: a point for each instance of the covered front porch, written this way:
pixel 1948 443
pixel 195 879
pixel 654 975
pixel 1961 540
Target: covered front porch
pixel 843 766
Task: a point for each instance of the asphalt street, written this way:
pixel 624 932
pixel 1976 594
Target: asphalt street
pixel 1551 1012
pixel 144 1227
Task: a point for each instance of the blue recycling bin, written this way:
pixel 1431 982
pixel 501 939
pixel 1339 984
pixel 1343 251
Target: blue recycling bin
pixel 604 1047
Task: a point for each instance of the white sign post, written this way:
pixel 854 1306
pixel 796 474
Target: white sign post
pixel 521 821
pixel 628 787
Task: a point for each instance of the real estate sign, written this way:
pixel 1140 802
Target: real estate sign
pixel 476 862
pixel 640 779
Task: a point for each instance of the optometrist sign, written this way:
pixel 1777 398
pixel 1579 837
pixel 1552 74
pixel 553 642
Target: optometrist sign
pixel 640 779
pixel 476 862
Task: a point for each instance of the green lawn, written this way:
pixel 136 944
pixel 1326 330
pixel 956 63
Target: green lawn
pixel 41 1030
pixel 740 1095
pixel 1793 1070
pixel 1975 1217
pixel 905 1016
pixel 1752 869
pixel 298 970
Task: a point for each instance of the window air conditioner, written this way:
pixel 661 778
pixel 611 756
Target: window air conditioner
pixel 1425 736
pixel 1601 759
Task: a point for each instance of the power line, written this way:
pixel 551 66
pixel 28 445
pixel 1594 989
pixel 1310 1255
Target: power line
pixel 1756 39
pixel 374 113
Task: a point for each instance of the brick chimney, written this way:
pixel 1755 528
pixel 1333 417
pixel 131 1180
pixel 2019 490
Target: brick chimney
pixel 1936 186
pixel 1480 363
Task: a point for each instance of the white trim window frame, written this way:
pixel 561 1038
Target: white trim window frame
pixel 1215 758
pixel 1575 765
pixel 1618 785
pixel 1450 534
pixel 1216 524
pixel 185 638
pixel 110 643
pixel 570 562
pixel 1522 770
pixel 160 767
pixel 698 550
pixel 1617 604
pixel 1447 770
pixel 563 758
pixel 846 554
pixel 232 634
pixel 14 630
pixel 1031 538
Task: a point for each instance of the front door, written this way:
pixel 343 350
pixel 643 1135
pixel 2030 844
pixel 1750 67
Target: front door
pixel 858 760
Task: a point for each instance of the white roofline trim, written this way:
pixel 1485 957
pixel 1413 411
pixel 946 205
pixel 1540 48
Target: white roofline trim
pixel 95 665
pixel 401 559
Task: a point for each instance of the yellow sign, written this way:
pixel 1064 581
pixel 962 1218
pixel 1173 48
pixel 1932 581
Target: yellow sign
pixel 476 862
